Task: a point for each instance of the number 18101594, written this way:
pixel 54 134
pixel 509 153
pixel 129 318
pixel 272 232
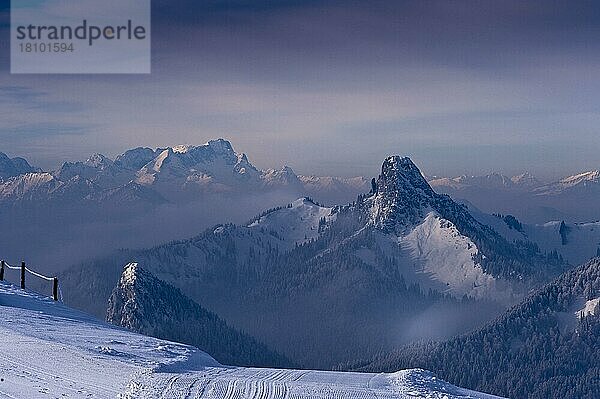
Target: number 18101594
pixel 46 47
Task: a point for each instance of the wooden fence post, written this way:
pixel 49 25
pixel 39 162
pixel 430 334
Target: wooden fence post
pixel 55 288
pixel 22 275
pixel 2 271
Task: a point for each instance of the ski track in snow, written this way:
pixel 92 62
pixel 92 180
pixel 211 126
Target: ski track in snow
pixel 48 350
pixel 249 383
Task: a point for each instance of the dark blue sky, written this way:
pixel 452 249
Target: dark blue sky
pixel 331 87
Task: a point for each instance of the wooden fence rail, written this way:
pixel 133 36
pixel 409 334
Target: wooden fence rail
pixel 23 269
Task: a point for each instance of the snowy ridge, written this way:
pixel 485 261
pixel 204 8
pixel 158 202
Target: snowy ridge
pixel 177 174
pixel 30 183
pixel 281 229
pixel 581 180
pixel 300 222
pixel 524 181
pixel 50 350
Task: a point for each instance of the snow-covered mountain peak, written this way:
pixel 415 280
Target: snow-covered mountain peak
pixel 182 148
pixel 401 174
pixel 135 302
pixel 11 167
pixel 402 202
pixel 299 222
pixel 220 146
pixel 98 161
pixel 135 158
pixel 97 168
pixel 402 195
pixel 525 179
pixel 285 177
pixel 215 159
pixel 130 273
pixel 23 186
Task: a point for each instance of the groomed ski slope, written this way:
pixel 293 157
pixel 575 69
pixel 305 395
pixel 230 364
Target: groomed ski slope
pixel 48 350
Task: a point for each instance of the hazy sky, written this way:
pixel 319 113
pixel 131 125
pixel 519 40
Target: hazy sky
pixel 332 87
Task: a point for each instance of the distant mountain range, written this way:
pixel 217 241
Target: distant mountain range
pixel 523 182
pixel 572 198
pixel 183 172
pixel 146 196
pixel 100 204
pixel 154 176
pixel 399 264
pixel 143 178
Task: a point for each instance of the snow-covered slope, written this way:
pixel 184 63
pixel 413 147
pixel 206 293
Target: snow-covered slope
pixel 575 242
pixel 299 222
pixel 448 256
pixel 28 186
pixel 49 350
